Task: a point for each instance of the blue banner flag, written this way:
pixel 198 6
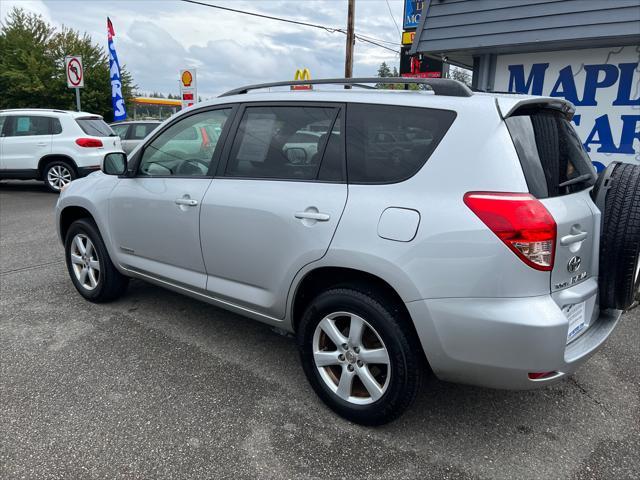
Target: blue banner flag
pixel 119 110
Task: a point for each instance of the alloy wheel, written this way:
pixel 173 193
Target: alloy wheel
pixel 58 176
pixel 84 260
pixel 351 358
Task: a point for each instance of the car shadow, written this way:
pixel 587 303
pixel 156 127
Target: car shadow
pixel 23 186
pixel 441 409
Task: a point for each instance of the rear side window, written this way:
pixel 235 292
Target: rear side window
pixel 284 142
pixel 95 126
pixel 551 154
pixel 56 128
pixel 388 144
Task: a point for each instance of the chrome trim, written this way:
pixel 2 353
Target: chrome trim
pixel 200 293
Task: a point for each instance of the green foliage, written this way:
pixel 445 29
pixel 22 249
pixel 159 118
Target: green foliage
pixel 32 67
pixel 385 71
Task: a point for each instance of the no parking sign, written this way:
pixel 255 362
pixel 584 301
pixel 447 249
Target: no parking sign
pixel 75 72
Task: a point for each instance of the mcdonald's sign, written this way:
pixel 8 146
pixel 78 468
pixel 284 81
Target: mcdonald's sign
pixel 302 74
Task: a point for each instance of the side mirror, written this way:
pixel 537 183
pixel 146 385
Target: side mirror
pixel 297 155
pixel 114 163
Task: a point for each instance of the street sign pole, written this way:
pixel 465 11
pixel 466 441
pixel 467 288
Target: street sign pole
pixel 78 98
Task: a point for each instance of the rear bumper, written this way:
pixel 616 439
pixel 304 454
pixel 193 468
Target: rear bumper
pixel 497 342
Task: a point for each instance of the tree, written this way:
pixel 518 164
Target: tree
pixel 32 67
pixel 384 70
pixel 460 74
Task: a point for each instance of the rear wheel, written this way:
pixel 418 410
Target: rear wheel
pixel 363 362
pixel 58 174
pixel 620 239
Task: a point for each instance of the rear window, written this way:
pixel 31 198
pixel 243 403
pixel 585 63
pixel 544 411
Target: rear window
pixel 95 126
pixel 388 144
pixel 553 159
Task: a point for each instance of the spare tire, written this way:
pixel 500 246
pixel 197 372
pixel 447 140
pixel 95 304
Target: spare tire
pixel 619 279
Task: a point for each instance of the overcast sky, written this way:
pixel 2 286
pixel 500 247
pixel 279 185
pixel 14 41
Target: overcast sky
pixel 155 39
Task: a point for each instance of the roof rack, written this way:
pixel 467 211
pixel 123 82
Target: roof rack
pixel 440 86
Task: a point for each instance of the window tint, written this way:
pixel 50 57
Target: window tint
pixel 550 153
pixel 186 147
pixel 387 144
pixel 94 126
pixel 120 130
pixel 333 159
pixel 280 142
pixel 56 128
pixel 141 130
pixel 22 126
pixel 2 119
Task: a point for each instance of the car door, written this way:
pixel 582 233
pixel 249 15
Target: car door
pixel 26 139
pixel 271 210
pixel 154 215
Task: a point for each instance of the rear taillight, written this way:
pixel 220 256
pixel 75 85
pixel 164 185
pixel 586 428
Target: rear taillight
pixel 89 142
pixel 521 221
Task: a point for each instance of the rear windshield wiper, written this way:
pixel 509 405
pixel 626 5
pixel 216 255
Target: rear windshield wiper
pixel 578 179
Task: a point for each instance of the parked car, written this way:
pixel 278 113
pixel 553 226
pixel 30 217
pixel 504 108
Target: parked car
pixel 487 256
pixel 132 133
pixel 54 146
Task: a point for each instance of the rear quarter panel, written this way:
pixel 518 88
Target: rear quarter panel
pixel 453 253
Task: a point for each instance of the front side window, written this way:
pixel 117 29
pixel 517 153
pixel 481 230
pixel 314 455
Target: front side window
pixel 284 142
pixel 387 144
pixel 186 148
pixel 25 126
pixel 141 130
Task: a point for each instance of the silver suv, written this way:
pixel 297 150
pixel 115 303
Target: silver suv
pixel 437 231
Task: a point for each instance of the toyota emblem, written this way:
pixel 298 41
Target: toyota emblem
pixel 574 264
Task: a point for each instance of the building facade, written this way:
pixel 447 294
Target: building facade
pixel 587 51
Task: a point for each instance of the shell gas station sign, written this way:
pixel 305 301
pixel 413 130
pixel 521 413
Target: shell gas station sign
pixel 188 87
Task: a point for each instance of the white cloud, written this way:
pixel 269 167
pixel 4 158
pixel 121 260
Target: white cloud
pixel 155 39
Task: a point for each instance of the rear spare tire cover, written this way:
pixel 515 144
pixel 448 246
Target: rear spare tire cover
pixel 620 240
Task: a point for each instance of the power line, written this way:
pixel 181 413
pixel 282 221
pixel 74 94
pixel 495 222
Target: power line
pixel 362 38
pixel 393 18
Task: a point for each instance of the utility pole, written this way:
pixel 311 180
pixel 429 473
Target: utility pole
pixel 351 40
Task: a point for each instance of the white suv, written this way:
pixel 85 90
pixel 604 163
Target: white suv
pixel 55 146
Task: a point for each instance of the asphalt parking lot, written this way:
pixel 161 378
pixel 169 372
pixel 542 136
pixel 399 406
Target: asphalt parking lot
pixel 157 385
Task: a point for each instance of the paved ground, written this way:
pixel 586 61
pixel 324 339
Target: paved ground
pixel 161 386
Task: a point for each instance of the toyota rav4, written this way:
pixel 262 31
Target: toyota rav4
pixel 440 231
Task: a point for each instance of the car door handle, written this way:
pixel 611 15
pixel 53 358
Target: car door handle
pixel 42 144
pixel 320 217
pixel 575 238
pixel 189 202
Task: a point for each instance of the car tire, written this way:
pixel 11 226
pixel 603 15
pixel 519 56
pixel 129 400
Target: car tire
pixel 619 276
pixel 385 336
pixel 57 174
pixel 89 265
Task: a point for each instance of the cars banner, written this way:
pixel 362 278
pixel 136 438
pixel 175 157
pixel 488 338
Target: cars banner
pixel 117 100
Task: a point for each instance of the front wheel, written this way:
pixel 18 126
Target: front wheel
pixel 362 360
pixel 90 268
